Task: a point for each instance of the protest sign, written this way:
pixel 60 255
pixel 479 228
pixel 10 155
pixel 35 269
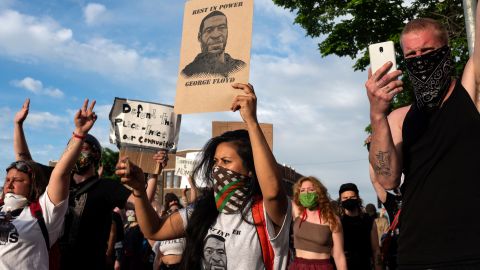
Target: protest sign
pixel 141 128
pixel 215 53
pixel 220 127
pixel 183 166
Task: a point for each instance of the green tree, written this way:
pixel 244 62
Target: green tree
pixel 109 162
pixel 349 26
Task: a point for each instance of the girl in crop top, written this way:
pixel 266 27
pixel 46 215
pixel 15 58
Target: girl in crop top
pixel 317 230
pixel 168 253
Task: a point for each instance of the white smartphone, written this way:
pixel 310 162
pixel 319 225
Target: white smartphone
pixel 381 53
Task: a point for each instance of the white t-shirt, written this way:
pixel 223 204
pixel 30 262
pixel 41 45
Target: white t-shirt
pixel 22 245
pixel 168 247
pixel 232 244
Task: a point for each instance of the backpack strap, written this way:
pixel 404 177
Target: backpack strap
pixel 85 187
pixel 394 224
pixel 261 226
pixel 36 211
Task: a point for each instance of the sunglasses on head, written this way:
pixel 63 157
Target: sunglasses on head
pixel 21 166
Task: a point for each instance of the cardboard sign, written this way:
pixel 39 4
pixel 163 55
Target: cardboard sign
pixel 215 53
pixel 183 166
pixel 142 158
pixel 199 182
pixel 139 129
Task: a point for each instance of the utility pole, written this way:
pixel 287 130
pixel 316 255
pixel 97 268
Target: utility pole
pixel 469 7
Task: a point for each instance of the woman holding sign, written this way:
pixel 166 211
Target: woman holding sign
pixel 243 219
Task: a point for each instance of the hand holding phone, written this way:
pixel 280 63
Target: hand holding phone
pixel 381 53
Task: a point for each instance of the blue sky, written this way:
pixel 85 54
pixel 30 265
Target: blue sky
pixel 60 52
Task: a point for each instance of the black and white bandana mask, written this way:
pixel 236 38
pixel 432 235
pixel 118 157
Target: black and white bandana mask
pixel 229 189
pixel 430 75
pixel 84 161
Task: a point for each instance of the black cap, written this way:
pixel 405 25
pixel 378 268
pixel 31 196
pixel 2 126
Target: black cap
pixel 348 187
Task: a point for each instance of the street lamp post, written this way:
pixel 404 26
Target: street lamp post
pixel 469 14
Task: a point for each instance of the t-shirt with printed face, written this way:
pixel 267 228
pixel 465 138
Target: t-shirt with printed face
pixel 232 243
pixel 22 245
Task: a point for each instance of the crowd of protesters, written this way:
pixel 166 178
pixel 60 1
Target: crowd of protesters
pixel 69 217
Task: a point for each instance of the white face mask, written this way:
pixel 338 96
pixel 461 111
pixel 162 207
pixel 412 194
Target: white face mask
pixel 130 215
pixel 13 202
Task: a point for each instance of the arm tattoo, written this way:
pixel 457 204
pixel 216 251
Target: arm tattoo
pixel 382 163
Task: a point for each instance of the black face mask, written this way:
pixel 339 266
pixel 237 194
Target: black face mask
pixel 350 204
pixel 430 75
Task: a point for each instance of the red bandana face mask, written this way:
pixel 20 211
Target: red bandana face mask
pixel 229 189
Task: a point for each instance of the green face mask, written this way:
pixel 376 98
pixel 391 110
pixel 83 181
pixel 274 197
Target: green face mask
pixel 308 200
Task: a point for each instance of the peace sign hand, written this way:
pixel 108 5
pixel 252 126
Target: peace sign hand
pixel 85 118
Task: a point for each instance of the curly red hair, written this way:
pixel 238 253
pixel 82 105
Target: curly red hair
pixel 324 201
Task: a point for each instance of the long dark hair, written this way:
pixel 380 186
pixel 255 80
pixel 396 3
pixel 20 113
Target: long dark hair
pixel 206 213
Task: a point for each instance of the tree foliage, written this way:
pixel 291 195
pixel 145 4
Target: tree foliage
pixel 347 27
pixel 109 162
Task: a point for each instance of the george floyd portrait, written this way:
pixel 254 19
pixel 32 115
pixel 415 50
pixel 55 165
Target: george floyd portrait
pixel 213 60
pixel 214 253
pixel 214 54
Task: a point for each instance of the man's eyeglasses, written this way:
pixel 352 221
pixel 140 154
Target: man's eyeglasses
pixel 21 166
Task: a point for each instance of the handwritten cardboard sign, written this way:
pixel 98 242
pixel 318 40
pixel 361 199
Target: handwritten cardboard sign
pixel 215 53
pixel 199 181
pixel 183 166
pixel 141 128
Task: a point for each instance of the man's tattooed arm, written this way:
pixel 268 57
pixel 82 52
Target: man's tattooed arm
pixel 382 164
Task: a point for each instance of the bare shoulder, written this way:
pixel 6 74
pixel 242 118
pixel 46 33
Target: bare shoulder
pixel 469 81
pixel 396 117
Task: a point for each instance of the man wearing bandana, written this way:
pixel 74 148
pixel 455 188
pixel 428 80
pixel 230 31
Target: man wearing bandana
pixel 433 142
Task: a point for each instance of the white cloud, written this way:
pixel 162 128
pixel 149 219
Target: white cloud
pixel 30 84
pixel 268 8
pixel 93 13
pixel 46 120
pixel 36 87
pixel 103 111
pixel 31 39
pixel 53 92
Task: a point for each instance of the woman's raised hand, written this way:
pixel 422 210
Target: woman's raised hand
pixel 246 102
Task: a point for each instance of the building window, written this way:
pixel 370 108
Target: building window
pixel 177 180
pixel 169 179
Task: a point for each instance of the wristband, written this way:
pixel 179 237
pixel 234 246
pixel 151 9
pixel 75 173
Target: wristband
pixel 79 136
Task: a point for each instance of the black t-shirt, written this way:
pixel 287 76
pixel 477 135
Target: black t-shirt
pixel 357 241
pixel 392 205
pixel 441 191
pixel 136 250
pixel 89 248
pixel 117 219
